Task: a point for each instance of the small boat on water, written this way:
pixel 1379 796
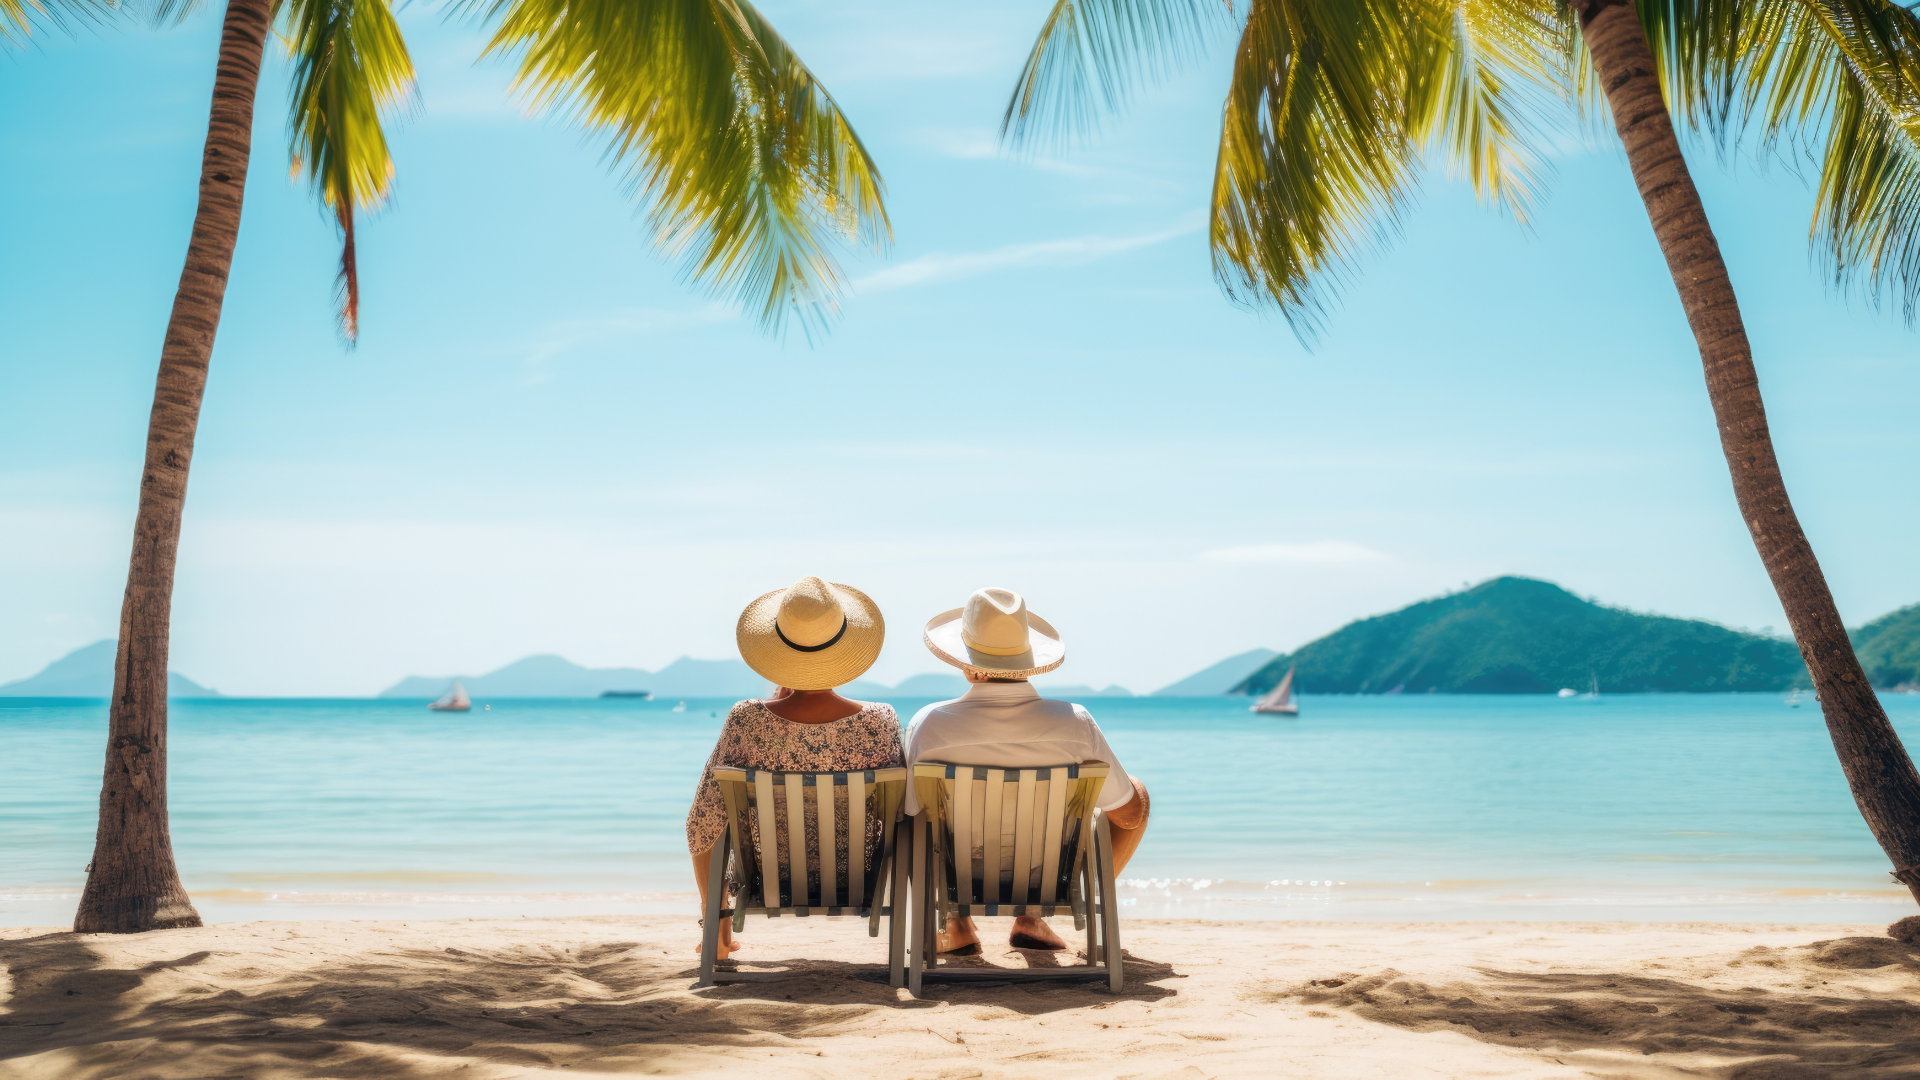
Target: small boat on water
pixel 1279 699
pixel 1793 699
pixel 682 707
pixel 454 700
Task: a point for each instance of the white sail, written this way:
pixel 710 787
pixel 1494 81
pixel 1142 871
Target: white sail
pixel 454 700
pixel 1280 698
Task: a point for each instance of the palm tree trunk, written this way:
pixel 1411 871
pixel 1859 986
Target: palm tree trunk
pixel 1885 786
pixel 132 883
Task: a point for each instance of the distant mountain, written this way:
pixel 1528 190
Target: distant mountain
pixel 932 684
pixel 1076 692
pixel 1515 635
pixel 1889 648
pixel 555 676
pixel 1221 678
pixel 88 672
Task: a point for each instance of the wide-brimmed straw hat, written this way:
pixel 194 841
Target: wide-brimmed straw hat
pixel 996 635
pixel 811 635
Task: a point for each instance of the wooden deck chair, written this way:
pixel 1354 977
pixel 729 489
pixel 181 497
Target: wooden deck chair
pixel 853 879
pixel 996 841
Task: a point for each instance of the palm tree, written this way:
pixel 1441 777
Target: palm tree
pixel 349 62
pixel 749 166
pixel 1334 105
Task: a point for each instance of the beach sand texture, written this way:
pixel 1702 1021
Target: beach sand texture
pixel 614 996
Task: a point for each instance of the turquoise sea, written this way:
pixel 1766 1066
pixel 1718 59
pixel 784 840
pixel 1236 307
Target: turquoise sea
pixel 1650 807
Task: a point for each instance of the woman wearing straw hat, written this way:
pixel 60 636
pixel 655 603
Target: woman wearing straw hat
pixel 806 639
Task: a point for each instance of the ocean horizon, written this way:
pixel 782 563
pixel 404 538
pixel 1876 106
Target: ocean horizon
pixel 1654 807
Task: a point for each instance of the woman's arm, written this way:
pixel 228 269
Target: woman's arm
pixel 707 817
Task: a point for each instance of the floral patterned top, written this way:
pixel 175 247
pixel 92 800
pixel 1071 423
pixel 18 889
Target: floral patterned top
pixel 754 738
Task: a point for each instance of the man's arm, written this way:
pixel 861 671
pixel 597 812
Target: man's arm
pixel 1131 814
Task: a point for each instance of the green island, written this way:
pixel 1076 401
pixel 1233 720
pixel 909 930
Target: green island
pixel 1889 648
pixel 1515 635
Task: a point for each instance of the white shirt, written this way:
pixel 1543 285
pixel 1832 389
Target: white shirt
pixel 1009 725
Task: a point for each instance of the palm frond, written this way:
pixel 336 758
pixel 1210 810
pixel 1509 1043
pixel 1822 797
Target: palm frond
pixel 19 18
pixel 350 67
pixel 1484 99
pixel 1848 70
pixel 1833 80
pixel 749 168
pixel 1089 54
pixel 1316 158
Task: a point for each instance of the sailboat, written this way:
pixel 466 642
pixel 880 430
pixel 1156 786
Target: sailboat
pixel 1280 698
pixel 454 700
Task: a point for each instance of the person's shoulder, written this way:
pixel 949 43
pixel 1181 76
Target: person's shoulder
pixel 879 711
pixel 1084 715
pixel 931 709
pixel 743 709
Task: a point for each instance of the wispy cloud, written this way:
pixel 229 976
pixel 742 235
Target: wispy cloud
pixel 1318 553
pixel 561 337
pixel 983 144
pixel 941 266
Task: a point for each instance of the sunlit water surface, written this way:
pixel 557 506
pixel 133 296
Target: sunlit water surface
pixel 1653 807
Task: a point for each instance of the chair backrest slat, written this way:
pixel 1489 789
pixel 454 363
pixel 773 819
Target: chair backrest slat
pixel 857 839
pixel 769 840
pixel 990 837
pixel 795 885
pixel 827 842
pixel 1023 838
pixel 963 879
pixel 1050 841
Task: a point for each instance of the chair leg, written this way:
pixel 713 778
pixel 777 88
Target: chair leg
pixel 1110 911
pixel 1087 902
pixel 897 921
pixel 710 916
pixel 922 860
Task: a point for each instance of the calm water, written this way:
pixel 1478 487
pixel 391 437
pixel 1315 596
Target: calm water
pixel 1635 807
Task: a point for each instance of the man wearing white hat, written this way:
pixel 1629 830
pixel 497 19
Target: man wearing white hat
pixel 1002 721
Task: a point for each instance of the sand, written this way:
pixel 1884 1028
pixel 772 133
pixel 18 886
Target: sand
pixel 614 996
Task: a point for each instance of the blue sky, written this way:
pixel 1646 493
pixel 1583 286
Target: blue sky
pixel 547 442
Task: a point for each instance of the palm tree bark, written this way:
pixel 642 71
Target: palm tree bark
pixel 132 883
pixel 1881 774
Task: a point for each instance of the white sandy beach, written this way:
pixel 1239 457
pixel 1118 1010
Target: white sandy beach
pixel 614 996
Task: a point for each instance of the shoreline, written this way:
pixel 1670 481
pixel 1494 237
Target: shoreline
pixel 613 996
pixel 1141 899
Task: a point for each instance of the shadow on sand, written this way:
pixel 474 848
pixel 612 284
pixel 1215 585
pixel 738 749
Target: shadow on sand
pixel 66 1010
pixel 1797 1028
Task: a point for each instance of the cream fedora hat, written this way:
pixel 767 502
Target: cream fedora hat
pixel 811 635
pixel 995 634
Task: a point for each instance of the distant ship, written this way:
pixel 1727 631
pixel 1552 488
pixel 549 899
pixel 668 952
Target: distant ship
pixel 643 695
pixel 1280 698
pixel 454 700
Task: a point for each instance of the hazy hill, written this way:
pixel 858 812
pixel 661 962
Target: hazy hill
pixel 1515 635
pixel 88 672
pixel 556 676
pixel 1221 678
pixel 1889 648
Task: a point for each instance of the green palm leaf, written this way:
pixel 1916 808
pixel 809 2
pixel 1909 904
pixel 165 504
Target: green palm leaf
pixel 1090 52
pixel 1848 69
pixel 19 17
pixel 750 169
pixel 350 66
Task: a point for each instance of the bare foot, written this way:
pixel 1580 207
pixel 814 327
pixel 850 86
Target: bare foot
pixel 727 948
pixel 959 937
pixel 1032 933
